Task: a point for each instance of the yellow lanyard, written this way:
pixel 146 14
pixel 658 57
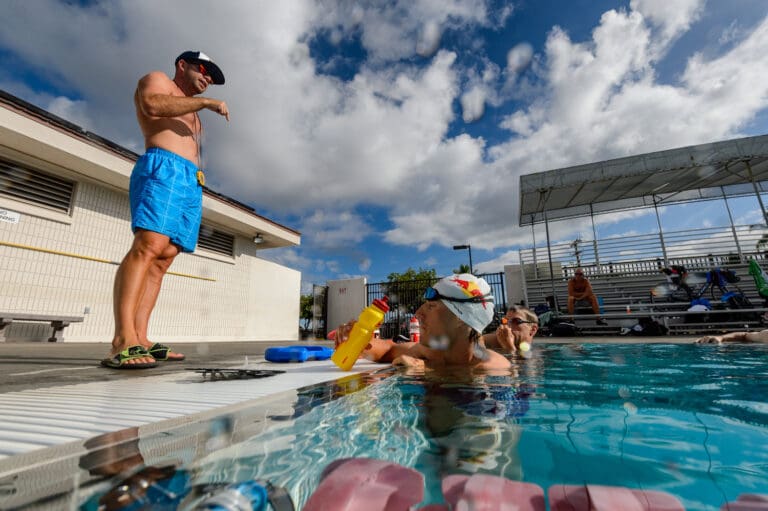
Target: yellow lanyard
pixel 198 135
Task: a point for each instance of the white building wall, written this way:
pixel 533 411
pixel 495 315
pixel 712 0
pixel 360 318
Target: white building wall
pixel 273 295
pixel 217 297
pixel 59 263
pixel 514 284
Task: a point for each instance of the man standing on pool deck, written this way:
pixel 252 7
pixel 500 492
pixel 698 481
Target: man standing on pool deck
pixel 166 200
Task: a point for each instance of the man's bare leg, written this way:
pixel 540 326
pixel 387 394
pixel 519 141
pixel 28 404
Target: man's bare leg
pixel 150 292
pixel 130 279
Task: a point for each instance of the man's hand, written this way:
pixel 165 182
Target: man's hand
pixel 506 338
pixel 408 361
pixel 220 107
pixel 342 333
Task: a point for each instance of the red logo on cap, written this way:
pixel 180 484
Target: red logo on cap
pixel 469 288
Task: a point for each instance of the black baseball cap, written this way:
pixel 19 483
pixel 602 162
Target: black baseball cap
pixel 197 57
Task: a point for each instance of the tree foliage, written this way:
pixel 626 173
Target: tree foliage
pixel 406 289
pixel 305 310
pixel 463 268
pixel 411 274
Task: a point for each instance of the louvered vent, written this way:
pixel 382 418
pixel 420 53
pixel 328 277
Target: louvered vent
pixel 35 187
pixel 216 241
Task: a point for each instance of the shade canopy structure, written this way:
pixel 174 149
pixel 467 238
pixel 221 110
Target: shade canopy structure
pixel 706 171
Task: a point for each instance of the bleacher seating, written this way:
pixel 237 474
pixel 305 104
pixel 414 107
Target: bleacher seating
pixel 625 293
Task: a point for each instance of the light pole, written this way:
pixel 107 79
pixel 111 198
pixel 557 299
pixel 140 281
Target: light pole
pixel 468 248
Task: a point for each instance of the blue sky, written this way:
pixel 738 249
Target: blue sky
pixel 389 131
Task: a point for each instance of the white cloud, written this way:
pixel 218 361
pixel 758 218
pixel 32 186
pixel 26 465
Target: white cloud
pixel 473 104
pixel 390 31
pixel 497 264
pixel 335 230
pixel 672 18
pixel 519 57
pixel 304 142
pixel 429 40
pixel 730 34
pixel 74 111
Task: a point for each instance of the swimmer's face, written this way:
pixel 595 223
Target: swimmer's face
pixel 522 331
pixel 436 321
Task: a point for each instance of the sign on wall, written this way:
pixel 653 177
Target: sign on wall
pixel 346 298
pixel 11 217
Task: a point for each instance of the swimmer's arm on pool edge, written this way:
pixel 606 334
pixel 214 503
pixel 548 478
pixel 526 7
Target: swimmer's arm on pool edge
pixel 761 336
pixel 378 350
pixel 386 350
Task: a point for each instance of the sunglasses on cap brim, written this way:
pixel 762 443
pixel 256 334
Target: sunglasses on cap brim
pixel 431 294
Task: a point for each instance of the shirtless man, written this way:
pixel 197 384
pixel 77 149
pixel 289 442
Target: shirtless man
pixel 456 310
pixel 166 200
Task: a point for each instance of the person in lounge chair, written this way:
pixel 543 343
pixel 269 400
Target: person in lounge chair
pixel 456 310
pixel 759 337
pixel 579 289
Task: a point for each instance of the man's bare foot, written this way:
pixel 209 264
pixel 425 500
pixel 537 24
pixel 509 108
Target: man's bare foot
pixel 162 353
pixel 120 344
pixel 129 357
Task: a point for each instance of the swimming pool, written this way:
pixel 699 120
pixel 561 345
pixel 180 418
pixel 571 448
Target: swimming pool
pixel 688 420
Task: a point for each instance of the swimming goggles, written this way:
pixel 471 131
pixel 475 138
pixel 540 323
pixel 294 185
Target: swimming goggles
pixel 431 294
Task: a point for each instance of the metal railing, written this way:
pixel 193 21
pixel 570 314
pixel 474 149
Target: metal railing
pixel 697 249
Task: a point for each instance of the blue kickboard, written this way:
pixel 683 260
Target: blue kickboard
pixel 297 353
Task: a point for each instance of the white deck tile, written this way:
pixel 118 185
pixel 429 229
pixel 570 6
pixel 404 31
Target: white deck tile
pixel 38 418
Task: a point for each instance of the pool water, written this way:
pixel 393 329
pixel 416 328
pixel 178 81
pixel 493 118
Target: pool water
pixel 688 420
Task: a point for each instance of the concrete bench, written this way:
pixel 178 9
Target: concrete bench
pixel 59 323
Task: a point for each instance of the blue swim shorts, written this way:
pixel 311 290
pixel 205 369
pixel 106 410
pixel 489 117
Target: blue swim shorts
pixel 166 198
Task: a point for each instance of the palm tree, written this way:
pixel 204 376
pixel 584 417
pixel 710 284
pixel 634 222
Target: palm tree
pixel 463 268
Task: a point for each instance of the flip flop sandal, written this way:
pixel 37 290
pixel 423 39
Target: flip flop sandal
pixel 162 353
pixel 120 360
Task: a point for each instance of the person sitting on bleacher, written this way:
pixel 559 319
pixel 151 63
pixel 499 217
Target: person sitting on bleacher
pixel 579 289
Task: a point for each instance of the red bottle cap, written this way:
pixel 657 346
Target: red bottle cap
pixel 382 304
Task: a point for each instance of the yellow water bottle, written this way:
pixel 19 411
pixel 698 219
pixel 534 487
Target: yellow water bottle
pixel 347 353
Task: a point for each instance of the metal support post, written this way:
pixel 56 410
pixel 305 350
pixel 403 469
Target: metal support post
pixel 661 233
pixel 757 191
pixel 733 228
pixel 551 267
pixel 535 262
pixel 594 239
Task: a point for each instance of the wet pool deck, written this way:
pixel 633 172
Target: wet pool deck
pixel 54 397
pixel 41 365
